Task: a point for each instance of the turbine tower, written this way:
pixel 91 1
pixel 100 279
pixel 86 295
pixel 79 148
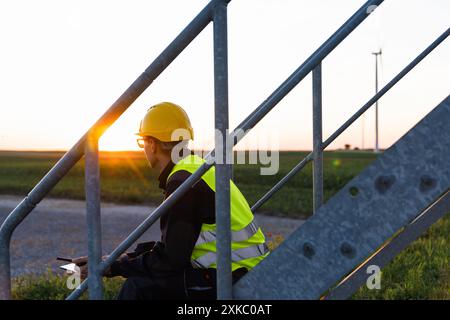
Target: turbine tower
pixel 376 54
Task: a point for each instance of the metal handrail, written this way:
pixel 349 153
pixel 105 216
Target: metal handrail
pixel 214 11
pixel 237 134
pixel 310 156
pixel 71 157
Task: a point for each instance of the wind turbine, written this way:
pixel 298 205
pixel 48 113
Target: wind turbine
pixel 376 54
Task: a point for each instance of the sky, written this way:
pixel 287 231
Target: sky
pixel 63 63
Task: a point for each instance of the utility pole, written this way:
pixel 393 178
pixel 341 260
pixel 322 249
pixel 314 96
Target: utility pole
pixel 376 54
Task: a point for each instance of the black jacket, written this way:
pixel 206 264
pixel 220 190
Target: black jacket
pixel 180 228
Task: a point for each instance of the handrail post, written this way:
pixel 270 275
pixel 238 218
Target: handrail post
pixel 92 188
pixel 107 119
pixel 222 154
pixel 317 138
pixel 5 266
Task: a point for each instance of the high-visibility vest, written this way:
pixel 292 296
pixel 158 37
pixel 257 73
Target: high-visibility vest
pixel 248 245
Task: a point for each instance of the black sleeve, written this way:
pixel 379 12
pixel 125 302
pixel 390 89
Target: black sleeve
pixel 128 265
pixel 180 229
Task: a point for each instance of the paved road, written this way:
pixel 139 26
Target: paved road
pixel 57 227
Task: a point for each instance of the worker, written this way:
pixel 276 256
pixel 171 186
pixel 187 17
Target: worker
pixel 182 265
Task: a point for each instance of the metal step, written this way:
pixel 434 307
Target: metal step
pixel 386 197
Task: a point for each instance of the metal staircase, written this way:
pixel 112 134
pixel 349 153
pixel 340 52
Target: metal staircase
pixel 387 196
pixel 412 177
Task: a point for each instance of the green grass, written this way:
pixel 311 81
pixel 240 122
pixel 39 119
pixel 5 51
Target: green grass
pixel 420 272
pixel 127 178
pixel 51 286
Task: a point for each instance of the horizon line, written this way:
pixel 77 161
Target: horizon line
pixel 202 150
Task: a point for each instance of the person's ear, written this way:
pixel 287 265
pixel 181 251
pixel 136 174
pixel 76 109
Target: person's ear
pixel 152 145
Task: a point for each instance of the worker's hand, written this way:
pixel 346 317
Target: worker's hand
pixel 107 272
pixel 81 262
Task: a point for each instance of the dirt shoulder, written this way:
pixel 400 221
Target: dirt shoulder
pixel 57 227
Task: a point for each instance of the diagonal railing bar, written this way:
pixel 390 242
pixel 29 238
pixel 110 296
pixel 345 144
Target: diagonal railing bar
pixel 147 223
pixel 282 182
pixel 77 151
pixel 247 124
pixel 352 119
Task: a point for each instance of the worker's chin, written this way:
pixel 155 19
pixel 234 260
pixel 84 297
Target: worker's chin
pixel 152 164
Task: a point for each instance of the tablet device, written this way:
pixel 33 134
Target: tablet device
pixel 70 268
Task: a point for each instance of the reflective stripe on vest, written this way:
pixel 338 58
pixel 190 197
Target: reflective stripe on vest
pixel 236 236
pixel 210 258
pixel 247 240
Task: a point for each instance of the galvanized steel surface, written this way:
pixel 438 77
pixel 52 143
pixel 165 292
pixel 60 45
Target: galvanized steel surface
pixel 391 192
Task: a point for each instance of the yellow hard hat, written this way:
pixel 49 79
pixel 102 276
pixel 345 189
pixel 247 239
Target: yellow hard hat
pixel 163 119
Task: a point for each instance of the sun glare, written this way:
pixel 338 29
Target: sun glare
pixel 118 138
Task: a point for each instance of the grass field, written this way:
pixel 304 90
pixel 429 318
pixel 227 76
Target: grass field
pixel 127 178
pixel 420 272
